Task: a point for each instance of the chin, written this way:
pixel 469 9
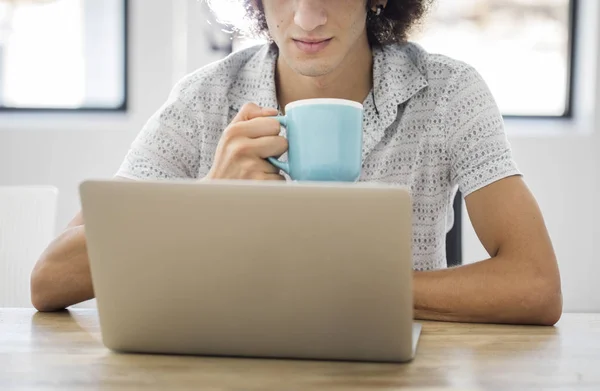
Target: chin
pixel 313 70
pixel 313 67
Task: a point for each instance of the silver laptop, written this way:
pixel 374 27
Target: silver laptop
pixel 253 269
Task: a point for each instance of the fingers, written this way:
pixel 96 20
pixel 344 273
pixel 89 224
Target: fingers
pixel 269 146
pixel 250 111
pixel 262 147
pixel 254 128
pixel 245 144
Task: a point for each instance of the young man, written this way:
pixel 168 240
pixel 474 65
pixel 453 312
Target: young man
pixel 430 123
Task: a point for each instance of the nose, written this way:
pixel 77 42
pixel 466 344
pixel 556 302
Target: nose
pixel 310 14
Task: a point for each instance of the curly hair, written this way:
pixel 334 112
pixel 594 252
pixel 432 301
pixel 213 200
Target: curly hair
pixel 392 26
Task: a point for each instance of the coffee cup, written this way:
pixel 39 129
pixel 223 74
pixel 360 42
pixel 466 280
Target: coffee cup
pixel 324 140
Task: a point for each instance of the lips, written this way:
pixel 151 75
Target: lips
pixel 311 46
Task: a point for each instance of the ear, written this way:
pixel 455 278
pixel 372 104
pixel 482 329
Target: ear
pixel 376 3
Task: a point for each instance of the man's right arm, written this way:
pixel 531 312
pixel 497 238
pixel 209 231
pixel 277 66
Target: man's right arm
pixel 61 276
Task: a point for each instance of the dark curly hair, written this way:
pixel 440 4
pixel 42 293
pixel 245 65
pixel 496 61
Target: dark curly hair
pixel 392 26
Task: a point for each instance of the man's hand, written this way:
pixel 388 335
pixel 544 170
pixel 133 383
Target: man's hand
pixel 246 143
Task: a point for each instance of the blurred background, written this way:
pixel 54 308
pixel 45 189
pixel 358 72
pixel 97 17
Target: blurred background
pixel 79 78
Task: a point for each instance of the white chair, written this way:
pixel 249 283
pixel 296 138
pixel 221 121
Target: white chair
pixel 27 225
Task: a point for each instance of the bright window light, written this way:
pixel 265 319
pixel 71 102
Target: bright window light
pixel 62 54
pixel 521 48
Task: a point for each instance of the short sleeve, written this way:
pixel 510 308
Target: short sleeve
pixel 478 147
pixel 168 145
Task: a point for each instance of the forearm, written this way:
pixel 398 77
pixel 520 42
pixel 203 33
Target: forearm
pixel 61 276
pixel 493 291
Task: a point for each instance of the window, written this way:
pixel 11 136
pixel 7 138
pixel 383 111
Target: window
pixel 63 55
pixel 522 48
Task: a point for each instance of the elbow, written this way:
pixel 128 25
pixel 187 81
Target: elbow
pixel 61 276
pixel 552 310
pixel 42 306
pixel 41 294
pixel 546 306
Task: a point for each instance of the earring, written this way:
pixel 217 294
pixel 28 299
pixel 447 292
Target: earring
pixel 379 10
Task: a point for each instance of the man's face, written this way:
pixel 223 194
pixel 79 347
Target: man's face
pixel 315 36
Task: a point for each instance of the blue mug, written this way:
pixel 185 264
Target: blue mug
pixel 325 140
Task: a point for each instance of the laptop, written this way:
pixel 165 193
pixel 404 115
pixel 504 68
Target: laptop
pixel 319 271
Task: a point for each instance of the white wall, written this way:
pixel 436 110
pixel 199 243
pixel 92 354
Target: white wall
pixel 562 169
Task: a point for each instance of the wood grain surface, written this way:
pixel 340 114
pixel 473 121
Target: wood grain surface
pixel 63 351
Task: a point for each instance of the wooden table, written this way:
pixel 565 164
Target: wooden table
pixel 63 351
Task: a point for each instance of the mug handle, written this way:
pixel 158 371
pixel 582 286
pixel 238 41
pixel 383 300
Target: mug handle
pixel 281 165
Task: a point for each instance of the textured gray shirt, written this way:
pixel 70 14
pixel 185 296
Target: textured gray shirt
pixel 431 124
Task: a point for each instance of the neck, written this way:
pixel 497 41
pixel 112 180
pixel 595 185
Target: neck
pixel 357 67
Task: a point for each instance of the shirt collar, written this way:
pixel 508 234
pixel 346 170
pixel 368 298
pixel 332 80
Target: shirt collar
pixel 396 79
